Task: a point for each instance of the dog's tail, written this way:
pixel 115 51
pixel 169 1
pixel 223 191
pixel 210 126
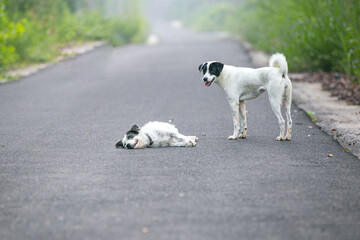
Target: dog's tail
pixel 278 60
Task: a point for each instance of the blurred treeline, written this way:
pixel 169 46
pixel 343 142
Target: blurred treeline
pixel 313 34
pixel 35 30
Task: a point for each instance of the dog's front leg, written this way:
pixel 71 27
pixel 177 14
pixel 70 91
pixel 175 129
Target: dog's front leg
pixel 243 124
pixel 234 105
pixel 180 140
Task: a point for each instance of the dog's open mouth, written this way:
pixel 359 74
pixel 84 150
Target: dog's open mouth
pixel 128 146
pixel 207 84
pixel 136 142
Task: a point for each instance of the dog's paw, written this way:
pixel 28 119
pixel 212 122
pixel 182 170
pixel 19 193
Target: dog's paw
pixel 288 138
pixel 192 143
pixel 242 136
pixel 194 138
pixel 232 137
pixel 279 138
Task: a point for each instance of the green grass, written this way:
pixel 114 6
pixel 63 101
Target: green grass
pixel 129 29
pixel 311 115
pixel 221 14
pixel 37 33
pixel 314 35
pixel 321 35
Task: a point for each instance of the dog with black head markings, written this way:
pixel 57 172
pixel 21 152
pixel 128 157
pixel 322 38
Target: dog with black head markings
pixel 155 134
pixel 241 84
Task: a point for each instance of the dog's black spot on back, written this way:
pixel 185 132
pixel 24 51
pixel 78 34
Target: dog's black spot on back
pixel 160 133
pixel 215 68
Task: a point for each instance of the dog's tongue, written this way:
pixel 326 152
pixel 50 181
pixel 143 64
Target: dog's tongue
pixel 208 84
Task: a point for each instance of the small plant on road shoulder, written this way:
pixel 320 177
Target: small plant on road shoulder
pixel 311 115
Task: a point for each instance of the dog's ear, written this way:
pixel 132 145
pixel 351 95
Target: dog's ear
pixel 201 66
pixel 119 144
pixel 135 128
pixel 216 68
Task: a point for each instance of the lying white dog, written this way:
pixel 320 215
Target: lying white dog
pixel 155 134
pixel 241 84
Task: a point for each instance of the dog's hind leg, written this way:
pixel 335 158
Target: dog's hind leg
pixel 281 122
pixel 243 124
pixel 277 92
pixel 287 106
pixel 234 105
pixel 289 122
pixel 276 107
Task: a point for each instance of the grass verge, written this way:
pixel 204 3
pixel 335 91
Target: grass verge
pixel 36 31
pixel 321 35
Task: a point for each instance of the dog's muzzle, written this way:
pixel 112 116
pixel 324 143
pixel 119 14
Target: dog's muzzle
pixel 207 82
pixel 131 146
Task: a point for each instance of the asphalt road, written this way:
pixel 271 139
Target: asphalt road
pixel 62 178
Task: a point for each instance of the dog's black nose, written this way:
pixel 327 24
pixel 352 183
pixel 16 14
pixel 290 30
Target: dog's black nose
pixel 205 79
pixel 129 146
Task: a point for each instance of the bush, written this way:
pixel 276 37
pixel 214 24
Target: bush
pixel 35 30
pixel 93 26
pixel 314 35
pixel 36 43
pixel 9 31
pixel 213 17
pixel 130 29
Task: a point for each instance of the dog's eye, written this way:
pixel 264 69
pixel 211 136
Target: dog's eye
pixel 130 137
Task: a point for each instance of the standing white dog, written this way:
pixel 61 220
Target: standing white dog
pixel 155 134
pixel 241 84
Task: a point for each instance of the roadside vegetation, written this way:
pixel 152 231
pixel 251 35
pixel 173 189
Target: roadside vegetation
pixel 321 35
pixel 34 31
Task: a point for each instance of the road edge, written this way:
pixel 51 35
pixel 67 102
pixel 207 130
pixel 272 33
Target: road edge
pixel 66 53
pixel 336 118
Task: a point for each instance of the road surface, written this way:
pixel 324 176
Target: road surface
pixel 62 178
